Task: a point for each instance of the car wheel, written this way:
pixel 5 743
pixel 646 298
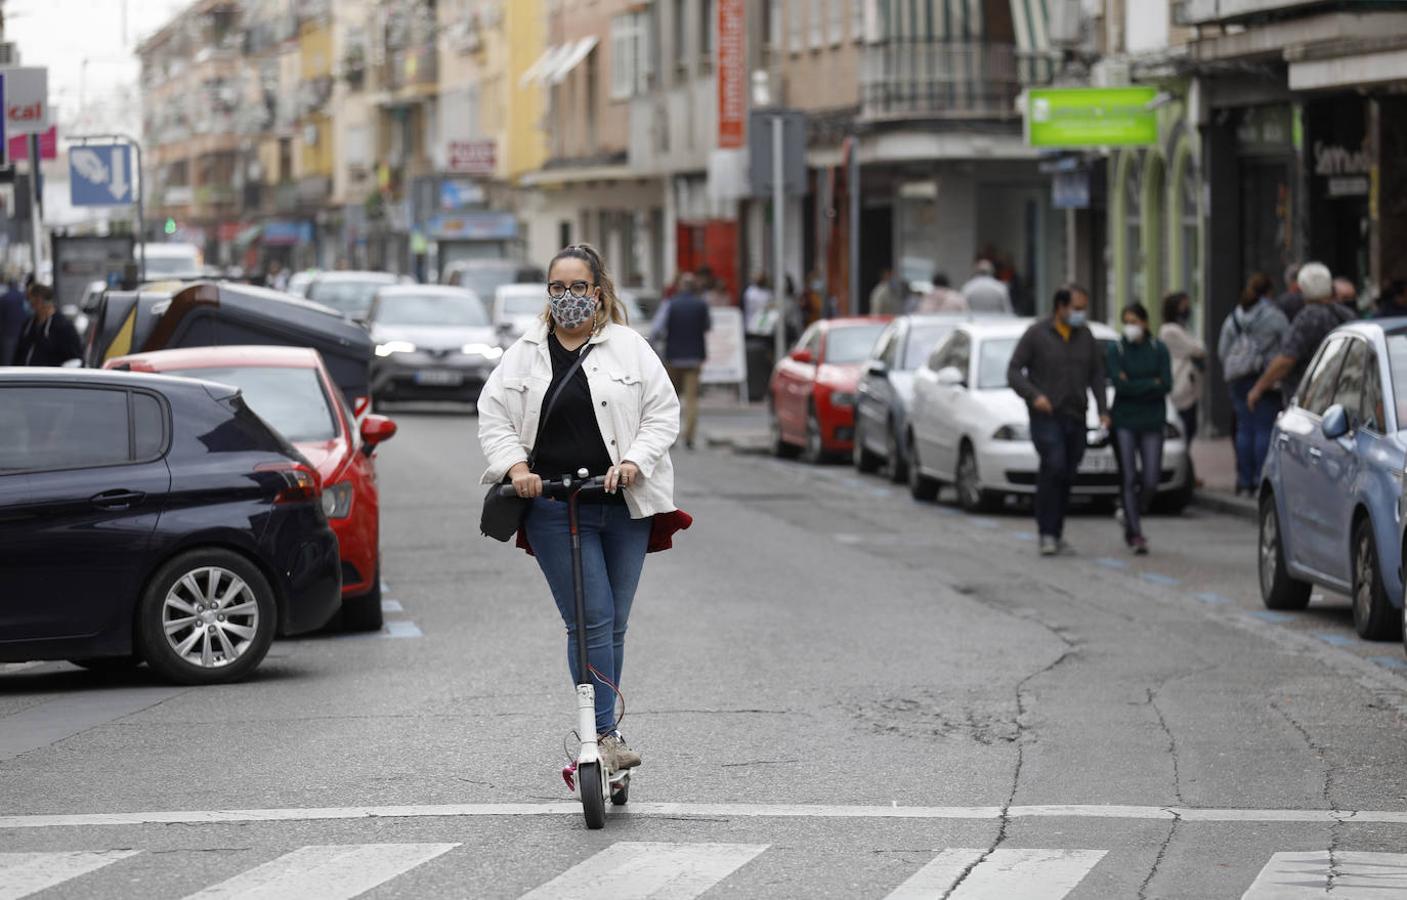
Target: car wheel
pixel 206 617
pixel 971 495
pixel 1277 589
pixel 1374 617
pixel 865 461
pixel 898 461
pixel 921 487
pixel 815 451
pixel 364 613
pixel 780 448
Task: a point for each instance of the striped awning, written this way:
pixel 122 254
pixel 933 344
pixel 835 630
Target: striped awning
pixel 930 20
pixel 1031 20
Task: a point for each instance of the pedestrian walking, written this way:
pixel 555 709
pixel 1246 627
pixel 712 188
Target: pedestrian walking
pixel 942 298
pixel 756 299
pixel 48 337
pixel 612 412
pixel 1140 369
pixel 1250 337
pixel 1189 359
pixel 685 326
pixel 890 296
pixel 1392 300
pixel 984 292
pixel 14 312
pixel 1054 367
pixel 1321 315
pixel 1291 301
pixel 1346 293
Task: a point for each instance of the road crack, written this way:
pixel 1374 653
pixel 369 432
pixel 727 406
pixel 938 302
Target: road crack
pixel 1336 829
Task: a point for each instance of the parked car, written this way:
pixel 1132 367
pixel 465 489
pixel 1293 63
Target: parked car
pixel 157 519
pixel 812 392
pixel 485 276
pixel 1331 489
pixel 886 389
pixel 299 282
pixel 172 260
pixel 290 389
pixel 515 306
pixel 432 343
pixel 968 428
pixel 350 293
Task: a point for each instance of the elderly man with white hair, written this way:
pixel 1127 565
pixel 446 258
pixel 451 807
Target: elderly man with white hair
pixel 1322 313
pixel 984 292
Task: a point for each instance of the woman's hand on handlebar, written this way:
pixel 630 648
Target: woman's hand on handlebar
pixel 525 483
pixel 623 475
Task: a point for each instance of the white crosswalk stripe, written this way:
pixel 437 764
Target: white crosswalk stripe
pixel 1003 875
pixel 333 872
pixel 1354 875
pixel 22 874
pixel 648 871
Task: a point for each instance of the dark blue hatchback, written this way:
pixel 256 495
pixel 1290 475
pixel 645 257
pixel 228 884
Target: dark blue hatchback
pixel 153 519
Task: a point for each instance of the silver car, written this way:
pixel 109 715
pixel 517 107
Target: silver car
pixel 432 343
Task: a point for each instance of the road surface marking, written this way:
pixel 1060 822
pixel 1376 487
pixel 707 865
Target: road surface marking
pixel 1161 580
pixel 1003 875
pixel 69 714
pixel 1389 662
pixel 22 874
pixel 402 629
pixel 648 871
pixel 1109 562
pixel 1355 876
pixel 1338 640
pixel 334 872
pixel 1212 597
pixel 714 810
pixel 391 606
pixel 1274 618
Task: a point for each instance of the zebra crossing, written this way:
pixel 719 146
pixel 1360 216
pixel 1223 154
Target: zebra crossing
pixel 684 871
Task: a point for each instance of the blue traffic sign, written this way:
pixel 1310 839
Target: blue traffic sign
pixel 101 175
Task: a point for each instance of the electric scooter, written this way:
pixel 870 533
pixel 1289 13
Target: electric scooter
pixel 585 776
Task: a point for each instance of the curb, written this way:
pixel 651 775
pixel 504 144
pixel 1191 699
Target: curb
pixel 1232 506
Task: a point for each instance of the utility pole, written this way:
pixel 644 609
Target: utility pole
pixel 779 211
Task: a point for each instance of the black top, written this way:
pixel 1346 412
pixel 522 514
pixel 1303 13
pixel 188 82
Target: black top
pixel 570 439
pixel 1307 332
pixel 1063 370
pixel 51 344
pixel 687 321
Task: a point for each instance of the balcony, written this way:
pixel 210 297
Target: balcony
pixel 314 190
pixel 919 79
pixel 411 67
pixel 1213 12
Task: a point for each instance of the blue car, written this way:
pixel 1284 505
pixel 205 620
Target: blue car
pixel 1332 482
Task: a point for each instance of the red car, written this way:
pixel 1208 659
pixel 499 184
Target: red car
pixel 812 394
pixel 290 389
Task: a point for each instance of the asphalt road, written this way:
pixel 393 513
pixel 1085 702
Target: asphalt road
pixel 837 692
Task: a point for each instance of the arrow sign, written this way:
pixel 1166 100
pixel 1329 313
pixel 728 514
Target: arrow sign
pixel 117 185
pixel 99 175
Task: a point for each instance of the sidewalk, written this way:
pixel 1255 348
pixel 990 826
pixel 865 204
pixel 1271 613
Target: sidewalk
pixel 1215 462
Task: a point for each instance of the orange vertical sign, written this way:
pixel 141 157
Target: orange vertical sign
pixel 732 74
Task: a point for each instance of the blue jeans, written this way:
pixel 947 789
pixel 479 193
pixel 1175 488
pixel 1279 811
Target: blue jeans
pixel 1253 427
pixel 1140 467
pixel 612 554
pixel 1060 441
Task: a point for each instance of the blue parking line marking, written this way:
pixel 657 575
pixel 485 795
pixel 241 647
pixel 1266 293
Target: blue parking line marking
pixel 1266 615
pixel 1155 578
pixel 402 629
pixel 1211 597
pixel 984 523
pixel 1110 562
pixel 1338 640
pixel 391 606
pixel 1389 662
pixel 1024 535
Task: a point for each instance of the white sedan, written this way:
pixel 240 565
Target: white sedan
pixel 969 429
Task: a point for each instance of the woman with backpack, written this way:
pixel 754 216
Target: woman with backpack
pixel 1140 370
pixel 1250 337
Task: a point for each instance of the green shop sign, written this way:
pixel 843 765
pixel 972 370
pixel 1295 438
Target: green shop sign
pixel 1091 117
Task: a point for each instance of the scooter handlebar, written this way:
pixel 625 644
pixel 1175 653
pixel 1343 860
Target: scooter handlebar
pixel 560 487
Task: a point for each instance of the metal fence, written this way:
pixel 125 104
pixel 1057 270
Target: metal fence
pixel 911 78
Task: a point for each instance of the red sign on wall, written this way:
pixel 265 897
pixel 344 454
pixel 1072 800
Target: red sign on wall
pixel 48 145
pixel 473 157
pixel 732 74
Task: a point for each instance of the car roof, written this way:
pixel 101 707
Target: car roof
pixel 462 264
pixel 101 377
pixel 853 321
pixel 1003 327
pixel 420 290
pixel 523 289
pixel 224 357
pixel 343 275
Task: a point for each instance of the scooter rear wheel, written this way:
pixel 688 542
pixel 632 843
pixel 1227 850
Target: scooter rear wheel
pixel 621 794
pixel 593 801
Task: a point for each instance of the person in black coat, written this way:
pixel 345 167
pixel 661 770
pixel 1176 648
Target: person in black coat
pixel 48 338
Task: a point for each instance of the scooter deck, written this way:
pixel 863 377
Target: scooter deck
pixel 618 778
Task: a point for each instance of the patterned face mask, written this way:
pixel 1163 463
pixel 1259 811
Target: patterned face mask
pixel 572 312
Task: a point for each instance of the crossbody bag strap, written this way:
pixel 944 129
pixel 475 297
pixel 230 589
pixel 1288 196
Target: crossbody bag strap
pixel 551 403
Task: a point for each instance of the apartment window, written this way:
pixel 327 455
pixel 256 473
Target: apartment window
pixel 681 39
pixel 772 25
pixel 816 34
pixel 706 23
pixel 592 93
pixel 630 55
pixel 796 33
pixel 857 19
pixel 835 22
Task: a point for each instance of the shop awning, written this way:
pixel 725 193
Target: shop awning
pixel 1032 25
pixel 537 72
pixel 571 59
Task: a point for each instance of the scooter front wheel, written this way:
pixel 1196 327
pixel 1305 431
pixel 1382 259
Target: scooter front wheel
pixel 593 799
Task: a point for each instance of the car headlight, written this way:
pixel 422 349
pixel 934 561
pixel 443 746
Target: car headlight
pixel 1171 432
pixel 1012 433
pixel 840 398
pixel 487 351
pixel 337 500
pixel 390 347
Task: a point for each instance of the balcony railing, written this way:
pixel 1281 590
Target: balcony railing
pixel 1208 12
pixel 416 66
pixel 903 79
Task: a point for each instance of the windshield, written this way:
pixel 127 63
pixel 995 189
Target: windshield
pixel 290 400
pixel 922 341
pixel 992 361
pixel 524 304
pixel 171 266
pixel 1397 365
pixel 485 280
pixel 851 344
pixel 431 309
pixel 351 298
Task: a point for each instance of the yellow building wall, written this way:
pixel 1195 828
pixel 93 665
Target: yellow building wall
pixel 315 61
pixel 525 31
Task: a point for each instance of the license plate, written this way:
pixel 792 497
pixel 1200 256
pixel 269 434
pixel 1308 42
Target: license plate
pixel 439 378
pixel 1099 464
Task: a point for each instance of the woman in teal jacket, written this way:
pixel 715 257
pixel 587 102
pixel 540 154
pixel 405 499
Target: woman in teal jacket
pixel 1140 370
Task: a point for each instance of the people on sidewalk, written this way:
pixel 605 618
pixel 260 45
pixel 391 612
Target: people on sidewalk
pixel 1054 367
pixel 1189 359
pixel 1392 300
pixel 685 324
pixel 756 299
pixel 14 311
pixel 984 292
pixel 1321 315
pixel 889 297
pixel 48 338
pixel 1292 301
pixel 1249 337
pixel 942 298
pixel 1140 369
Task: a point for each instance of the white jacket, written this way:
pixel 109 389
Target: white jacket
pixel 635 405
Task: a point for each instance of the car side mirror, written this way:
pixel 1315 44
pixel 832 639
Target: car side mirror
pixel 1335 424
pixel 802 355
pixel 877 367
pixel 376 430
pixel 950 376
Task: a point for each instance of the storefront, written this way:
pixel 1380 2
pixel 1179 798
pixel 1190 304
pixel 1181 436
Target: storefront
pixel 1338 172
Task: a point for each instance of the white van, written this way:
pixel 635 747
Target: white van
pixel 173 261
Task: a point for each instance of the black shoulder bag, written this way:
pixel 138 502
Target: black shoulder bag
pixel 503 516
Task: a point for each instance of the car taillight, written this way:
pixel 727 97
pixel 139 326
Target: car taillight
pixel 300 482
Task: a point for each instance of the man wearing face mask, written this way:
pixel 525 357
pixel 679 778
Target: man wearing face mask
pixel 1056 364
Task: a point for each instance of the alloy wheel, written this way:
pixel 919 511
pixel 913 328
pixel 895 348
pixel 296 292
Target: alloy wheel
pixel 210 617
pixel 1269 550
pixel 1364 575
pixel 967 481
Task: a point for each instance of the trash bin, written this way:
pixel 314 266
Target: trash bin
pixel 759 365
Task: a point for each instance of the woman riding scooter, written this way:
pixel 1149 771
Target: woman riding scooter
pixel 616 416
